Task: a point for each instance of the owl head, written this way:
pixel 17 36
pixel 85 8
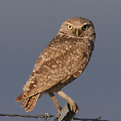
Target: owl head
pixel 78 27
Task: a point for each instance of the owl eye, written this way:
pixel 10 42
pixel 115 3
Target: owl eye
pixel 85 27
pixel 69 27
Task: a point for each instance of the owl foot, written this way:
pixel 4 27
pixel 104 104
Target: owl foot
pixel 59 108
pixel 73 106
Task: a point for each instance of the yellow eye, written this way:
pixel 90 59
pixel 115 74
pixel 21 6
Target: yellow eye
pixel 69 27
pixel 85 27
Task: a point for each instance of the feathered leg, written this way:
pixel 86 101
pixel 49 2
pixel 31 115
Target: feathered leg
pixel 55 101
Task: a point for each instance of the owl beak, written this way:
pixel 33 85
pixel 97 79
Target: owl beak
pixel 77 32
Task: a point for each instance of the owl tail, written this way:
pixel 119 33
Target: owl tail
pixel 28 103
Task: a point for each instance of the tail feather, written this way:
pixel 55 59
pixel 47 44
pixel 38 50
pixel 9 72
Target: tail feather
pixel 20 97
pixel 30 102
pixel 24 102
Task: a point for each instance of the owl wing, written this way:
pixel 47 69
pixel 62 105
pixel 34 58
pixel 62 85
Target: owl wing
pixel 56 63
pixel 55 48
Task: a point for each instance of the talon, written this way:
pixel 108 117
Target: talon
pixel 73 107
pixel 59 109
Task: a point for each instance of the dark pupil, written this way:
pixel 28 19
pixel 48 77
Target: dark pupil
pixel 69 26
pixel 85 27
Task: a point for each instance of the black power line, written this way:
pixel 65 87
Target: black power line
pixel 65 115
pixel 47 116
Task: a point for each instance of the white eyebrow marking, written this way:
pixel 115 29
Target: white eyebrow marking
pixel 68 23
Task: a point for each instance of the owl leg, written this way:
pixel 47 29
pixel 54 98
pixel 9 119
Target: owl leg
pixel 55 101
pixel 72 104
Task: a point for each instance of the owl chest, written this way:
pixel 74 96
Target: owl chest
pixel 80 55
pixel 78 61
pixel 82 61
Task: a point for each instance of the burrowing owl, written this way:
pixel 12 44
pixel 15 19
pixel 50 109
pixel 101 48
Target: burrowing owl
pixel 63 60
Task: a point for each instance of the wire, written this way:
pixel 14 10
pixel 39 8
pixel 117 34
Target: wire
pixel 47 116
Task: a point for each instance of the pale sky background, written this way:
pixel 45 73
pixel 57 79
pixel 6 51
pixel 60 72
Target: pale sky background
pixel 26 27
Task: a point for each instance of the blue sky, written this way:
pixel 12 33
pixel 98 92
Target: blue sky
pixel 27 26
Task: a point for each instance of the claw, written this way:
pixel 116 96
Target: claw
pixel 73 106
pixel 59 109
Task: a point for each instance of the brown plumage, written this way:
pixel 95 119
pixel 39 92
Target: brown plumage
pixel 63 60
